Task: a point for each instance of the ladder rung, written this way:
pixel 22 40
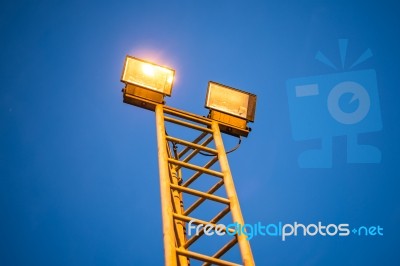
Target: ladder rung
pixel 198 221
pixel 195 152
pixel 186 124
pixel 192 145
pixel 223 250
pixel 196 168
pixel 200 194
pixel 196 140
pixel 214 220
pixel 204 258
pixel 197 174
pixel 187 115
pixel 201 200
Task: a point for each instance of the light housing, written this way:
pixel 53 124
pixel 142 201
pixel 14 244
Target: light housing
pixel 231 107
pixel 146 83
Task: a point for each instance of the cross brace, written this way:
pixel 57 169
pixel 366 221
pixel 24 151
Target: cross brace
pixel 173 186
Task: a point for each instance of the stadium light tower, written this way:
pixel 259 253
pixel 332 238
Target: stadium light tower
pixel 146 85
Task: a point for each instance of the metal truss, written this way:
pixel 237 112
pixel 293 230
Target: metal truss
pixel 177 156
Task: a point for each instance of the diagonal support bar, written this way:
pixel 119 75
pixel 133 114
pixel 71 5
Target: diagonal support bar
pixel 200 194
pixel 201 200
pixel 191 145
pixel 195 152
pixel 196 175
pixel 195 141
pixel 223 250
pixel 214 220
pixel 195 167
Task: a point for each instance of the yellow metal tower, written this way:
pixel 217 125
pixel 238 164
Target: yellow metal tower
pixel 177 158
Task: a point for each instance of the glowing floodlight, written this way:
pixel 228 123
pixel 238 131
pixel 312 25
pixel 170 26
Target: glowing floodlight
pixel 146 83
pixel 234 108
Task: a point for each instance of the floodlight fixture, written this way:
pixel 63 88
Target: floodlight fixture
pixel 146 83
pixel 231 107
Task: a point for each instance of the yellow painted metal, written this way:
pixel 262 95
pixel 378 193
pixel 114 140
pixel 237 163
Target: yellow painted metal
pixel 195 141
pixel 196 168
pixel 229 124
pixel 223 250
pixel 214 220
pixel 141 93
pixel 180 227
pixel 229 119
pixel 198 221
pixel 183 123
pixel 197 174
pixel 244 244
pixel 188 116
pixel 177 248
pixel 201 200
pixel 195 152
pixel 192 145
pixel 166 204
pixel 146 86
pixel 200 194
pixel 205 258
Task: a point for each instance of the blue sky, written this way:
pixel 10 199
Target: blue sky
pixel 78 168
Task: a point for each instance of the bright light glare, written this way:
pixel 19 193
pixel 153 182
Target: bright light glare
pixel 148 75
pixel 148 69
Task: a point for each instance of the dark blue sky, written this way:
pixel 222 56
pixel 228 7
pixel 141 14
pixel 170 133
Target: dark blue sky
pixel 78 168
